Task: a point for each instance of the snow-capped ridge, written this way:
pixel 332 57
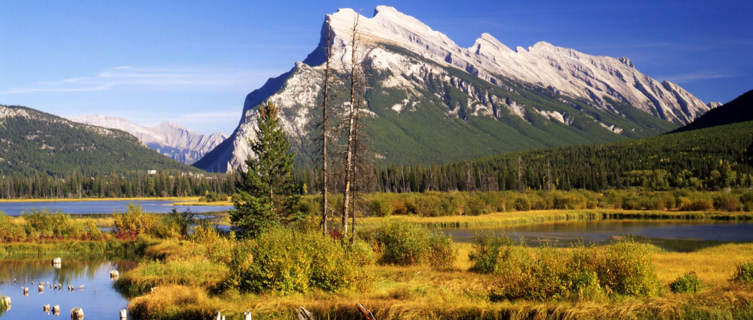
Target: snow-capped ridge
pixel 167 138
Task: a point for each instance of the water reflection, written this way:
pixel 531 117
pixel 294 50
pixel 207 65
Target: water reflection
pixel 90 281
pixel 103 207
pixel 670 235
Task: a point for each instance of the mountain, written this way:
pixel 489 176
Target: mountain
pixel 166 138
pixel 34 142
pixel 429 100
pixel 738 110
pixel 711 158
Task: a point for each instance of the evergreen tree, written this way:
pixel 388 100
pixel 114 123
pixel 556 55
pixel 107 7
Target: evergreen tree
pixel 267 194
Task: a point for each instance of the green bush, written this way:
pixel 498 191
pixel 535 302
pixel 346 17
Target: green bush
pixel 361 253
pixel 284 261
pixel 10 231
pixel 404 243
pixel 486 252
pixel 698 205
pixel 379 207
pixel 133 222
pixel 545 273
pixel 43 224
pixel 727 202
pixel 441 254
pixel 744 273
pixel 688 282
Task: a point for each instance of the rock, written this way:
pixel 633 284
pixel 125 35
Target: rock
pixel 77 314
pixel 114 274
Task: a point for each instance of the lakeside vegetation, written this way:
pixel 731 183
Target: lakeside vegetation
pixel 398 269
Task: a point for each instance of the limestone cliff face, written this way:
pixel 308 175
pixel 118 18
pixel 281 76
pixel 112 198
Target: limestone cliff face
pixel 412 66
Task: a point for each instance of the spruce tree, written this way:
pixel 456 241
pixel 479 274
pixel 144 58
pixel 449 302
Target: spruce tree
pixel 267 194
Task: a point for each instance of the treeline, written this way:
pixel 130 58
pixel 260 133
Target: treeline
pixel 708 159
pixel 133 184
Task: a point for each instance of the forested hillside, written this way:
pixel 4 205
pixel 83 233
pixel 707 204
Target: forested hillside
pixel 711 158
pixel 34 142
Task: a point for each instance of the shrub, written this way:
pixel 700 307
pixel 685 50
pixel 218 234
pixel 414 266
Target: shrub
pixel 698 205
pixel 133 222
pixel 379 207
pixel 92 230
pixel 486 251
pixel 10 231
pixel 46 225
pixel 402 243
pixel 726 201
pixel 689 282
pixel 545 273
pixel 441 253
pixel 361 253
pixel 284 261
pixel 521 204
pixel 744 273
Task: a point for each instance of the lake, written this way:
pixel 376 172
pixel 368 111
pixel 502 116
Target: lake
pixel 102 206
pixel 98 298
pixel 671 235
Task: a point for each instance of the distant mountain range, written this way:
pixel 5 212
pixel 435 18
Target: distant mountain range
pixel 34 142
pixel 738 110
pixel 429 100
pixel 166 138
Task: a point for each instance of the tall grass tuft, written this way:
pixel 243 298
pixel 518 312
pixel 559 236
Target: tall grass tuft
pixel 744 273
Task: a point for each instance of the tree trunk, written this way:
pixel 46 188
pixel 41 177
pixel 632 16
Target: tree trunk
pixel 351 129
pixel 324 136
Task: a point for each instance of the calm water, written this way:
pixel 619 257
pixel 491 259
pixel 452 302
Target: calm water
pixel 103 207
pixel 98 299
pixel 681 236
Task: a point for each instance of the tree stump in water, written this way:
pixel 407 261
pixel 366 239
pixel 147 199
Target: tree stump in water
pixel 365 312
pixel 77 314
pixel 303 314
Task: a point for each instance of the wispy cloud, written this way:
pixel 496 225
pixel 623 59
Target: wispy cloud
pixel 151 77
pixel 695 76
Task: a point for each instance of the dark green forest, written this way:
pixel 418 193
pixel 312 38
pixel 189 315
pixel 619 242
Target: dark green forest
pixel 706 159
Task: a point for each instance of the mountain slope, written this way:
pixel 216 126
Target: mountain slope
pixel 710 158
pixel 166 138
pixel 738 110
pixel 34 142
pixel 429 100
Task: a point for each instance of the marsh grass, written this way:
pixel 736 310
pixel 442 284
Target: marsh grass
pixel 196 272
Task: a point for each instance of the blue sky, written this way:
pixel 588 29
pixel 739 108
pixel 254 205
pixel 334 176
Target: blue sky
pixel 193 62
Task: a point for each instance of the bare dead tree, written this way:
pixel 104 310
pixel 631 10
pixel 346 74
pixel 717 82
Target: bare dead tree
pixel 362 173
pixel 327 71
pixel 351 115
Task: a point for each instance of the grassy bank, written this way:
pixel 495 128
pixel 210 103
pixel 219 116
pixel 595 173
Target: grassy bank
pixel 502 219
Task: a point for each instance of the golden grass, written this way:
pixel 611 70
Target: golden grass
pixel 500 219
pixel 714 265
pixel 202 203
pixel 418 292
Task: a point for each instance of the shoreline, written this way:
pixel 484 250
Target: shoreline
pixel 175 199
